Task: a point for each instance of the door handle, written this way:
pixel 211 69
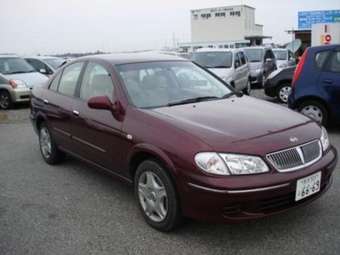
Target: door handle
pixel 76 113
pixel 46 101
pixel 328 81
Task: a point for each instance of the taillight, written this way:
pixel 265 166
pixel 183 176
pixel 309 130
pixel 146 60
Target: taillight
pixel 299 67
pixel 13 84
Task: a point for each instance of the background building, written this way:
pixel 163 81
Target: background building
pixel 224 27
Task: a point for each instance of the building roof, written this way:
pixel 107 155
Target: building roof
pixel 219 7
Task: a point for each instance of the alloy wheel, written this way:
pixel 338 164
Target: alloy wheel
pixel 153 196
pixel 45 142
pixel 4 101
pixel 284 93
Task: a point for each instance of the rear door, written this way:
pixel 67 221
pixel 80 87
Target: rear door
pixel 97 133
pixel 330 79
pixel 59 102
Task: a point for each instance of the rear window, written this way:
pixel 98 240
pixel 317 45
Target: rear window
pixel 213 59
pixel 254 55
pixel 15 66
pixel 321 58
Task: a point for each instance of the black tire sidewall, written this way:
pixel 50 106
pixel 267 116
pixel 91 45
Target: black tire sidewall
pixel 173 216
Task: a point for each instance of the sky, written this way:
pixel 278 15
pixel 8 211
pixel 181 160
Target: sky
pixel 60 26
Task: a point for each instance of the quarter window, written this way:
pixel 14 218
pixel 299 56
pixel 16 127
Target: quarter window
pixel 321 58
pixel 334 62
pixel 69 79
pixel 55 82
pixel 97 82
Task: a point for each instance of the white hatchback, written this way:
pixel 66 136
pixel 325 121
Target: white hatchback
pixel 231 65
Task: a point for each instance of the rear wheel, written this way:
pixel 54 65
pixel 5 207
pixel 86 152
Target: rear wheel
pixel 283 92
pixel 315 110
pixel 157 197
pixel 5 100
pixel 49 151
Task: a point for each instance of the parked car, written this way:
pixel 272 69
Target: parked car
pixel 279 84
pixel 284 58
pixel 177 139
pixel 230 65
pixel 262 63
pixel 17 78
pixel 316 84
pixel 46 65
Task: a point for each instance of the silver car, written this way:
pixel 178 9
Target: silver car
pixel 284 58
pixel 17 78
pixel 46 65
pixel 231 65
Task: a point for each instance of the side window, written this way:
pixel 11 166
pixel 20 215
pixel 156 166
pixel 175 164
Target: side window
pixel 321 58
pixel 333 64
pixel 237 60
pixel 69 79
pixel 38 65
pixel 97 82
pixel 243 58
pixel 54 84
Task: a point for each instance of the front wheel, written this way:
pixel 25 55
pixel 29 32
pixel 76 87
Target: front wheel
pixel 5 100
pixel 315 110
pixel 247 89
pixel 157 197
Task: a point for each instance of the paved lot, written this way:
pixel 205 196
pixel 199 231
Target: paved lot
pixel 74 209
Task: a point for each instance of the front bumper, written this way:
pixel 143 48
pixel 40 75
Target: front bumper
pixel 20 95
pixel 233 205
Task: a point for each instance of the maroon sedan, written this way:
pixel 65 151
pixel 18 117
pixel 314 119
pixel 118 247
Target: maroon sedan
pixel 189 144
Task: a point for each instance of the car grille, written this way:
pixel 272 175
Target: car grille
pixel 296 158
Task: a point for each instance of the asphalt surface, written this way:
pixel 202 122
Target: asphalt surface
pixel 75 209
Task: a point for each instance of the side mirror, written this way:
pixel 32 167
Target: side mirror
pixel 43 71
pixel 100 103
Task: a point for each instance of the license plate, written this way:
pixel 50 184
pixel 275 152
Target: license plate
pixel 308 186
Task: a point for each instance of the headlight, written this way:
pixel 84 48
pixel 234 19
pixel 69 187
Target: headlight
pixel 230 164
pixel 242 164
pixel 324 139
pixel 211 163
pixel 20 84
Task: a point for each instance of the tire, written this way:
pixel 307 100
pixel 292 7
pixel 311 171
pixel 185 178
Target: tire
pixel 157 197
pixel 48 148
pixel 283 92
pixel 5 100
pixel 315 110
pixel 247 90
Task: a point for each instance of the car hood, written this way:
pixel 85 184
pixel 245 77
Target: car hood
pixel 31 79
pixel 222 72
pixel 241 124
pixel 255 65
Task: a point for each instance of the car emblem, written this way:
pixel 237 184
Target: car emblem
pixel 293 139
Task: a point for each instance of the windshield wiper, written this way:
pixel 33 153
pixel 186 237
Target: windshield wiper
pixel 194 100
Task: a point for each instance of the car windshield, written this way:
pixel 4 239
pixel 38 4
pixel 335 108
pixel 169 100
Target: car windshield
pixel 254 55
pixel 15 66
pixel 160 84
pixel 213 59
pixel 55 62
pixel 281 54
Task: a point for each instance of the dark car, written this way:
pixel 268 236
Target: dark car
pixel 279 84
pixel 183 138
pixel 316 84
pixel 262 63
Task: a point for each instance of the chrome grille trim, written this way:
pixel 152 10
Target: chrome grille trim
pixel 295 158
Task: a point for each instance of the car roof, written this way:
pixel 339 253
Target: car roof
pixel 325 47
pixel 258 47
pixel 279 49
pixel 8 56
pixel 129 58
pixel 40 57
pixel 216 50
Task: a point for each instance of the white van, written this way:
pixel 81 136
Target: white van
pixel 230 65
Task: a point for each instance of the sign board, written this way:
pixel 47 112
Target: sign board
pixel 309 18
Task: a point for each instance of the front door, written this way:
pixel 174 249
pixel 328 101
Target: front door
pixel 97 133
